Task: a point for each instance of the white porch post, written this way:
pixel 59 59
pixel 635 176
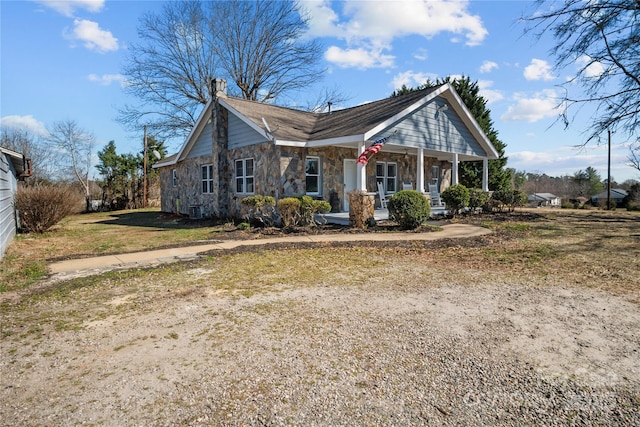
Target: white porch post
pixel 361 178
pixel 454 169
pixel 485 174
pixel 420 166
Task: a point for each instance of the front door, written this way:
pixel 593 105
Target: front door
pixel 350 181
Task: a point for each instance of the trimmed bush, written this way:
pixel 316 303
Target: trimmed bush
pixel 43 206
pixel 289 210
pixel 261 210
pixel 477 198
pixel 456 197
pixel 409 208
pixel 301 210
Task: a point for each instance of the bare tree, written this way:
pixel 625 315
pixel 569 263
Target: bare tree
pixel 603 37
pixel 31 146
pixel 634 156
pixel 257 46
pixel 260 48
pixel 171 72
pixel 76 147
pixel 327 100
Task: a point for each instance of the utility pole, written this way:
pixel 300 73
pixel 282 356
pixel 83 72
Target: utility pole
pixel 609 172
pixel 144 173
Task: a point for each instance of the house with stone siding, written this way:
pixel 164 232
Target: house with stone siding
pixel 239 148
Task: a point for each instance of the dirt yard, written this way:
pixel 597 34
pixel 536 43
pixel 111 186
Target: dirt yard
pixel 532 325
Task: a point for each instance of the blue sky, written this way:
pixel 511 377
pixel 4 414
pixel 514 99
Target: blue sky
pixel 62 60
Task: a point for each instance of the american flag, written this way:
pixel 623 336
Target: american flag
pixel 373 149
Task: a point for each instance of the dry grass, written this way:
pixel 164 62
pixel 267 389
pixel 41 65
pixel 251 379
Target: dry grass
pixel 101 233
pixel 587 248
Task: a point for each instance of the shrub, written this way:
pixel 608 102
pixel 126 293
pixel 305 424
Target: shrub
pixel 409 208
pixel 301 210
pixel 477 198
pixel 261 210
pixel 633 206
pixel 456 197
pixel 309 208
pixel 566 204
pixel 43 206
pixel 509 199
pixel 289 210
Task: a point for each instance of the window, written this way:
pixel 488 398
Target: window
pixel 207 179
pixel 244 176
pixel 387 175
pixel 174 178
pixel 313 175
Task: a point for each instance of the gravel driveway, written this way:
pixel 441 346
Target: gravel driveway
pixel 387 352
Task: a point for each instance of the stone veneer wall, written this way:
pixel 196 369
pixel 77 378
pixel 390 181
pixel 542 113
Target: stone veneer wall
pixel 188 191
pixel 266 175
pixel 278 172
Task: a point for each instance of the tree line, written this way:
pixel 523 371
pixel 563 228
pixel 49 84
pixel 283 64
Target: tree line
pixel 66 157
pixel 578 187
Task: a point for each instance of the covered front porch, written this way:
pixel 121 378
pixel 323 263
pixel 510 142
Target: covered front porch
pixel 420 178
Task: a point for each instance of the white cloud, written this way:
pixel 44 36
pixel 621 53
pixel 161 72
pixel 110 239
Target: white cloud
pixel 107 79
pixel 411 79
pixel 368 23
pixel 323 20
pixel 68 7
pixel 488 66
pixel 421 54
pixel 27 122
pixel 593 68
pixel 542 105
pixel 491 95
pixel 538 70
pixel 93 36
pixel 361 58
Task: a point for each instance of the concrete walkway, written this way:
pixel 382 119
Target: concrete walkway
pixel 95 265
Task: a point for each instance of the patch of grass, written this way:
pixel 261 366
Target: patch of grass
pixel 111 232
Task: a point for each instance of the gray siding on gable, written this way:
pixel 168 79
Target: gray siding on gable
pixel 203 145
pixel 439 131
pixel 241 134
pixel 8 188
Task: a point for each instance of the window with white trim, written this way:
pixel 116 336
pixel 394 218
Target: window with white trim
pixel 244 176
pixel 387 175
pixel 207 179
pixel 313 175
pixel 174 178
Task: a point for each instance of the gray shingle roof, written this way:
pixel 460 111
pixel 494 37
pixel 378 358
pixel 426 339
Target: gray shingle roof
pixel 295 125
